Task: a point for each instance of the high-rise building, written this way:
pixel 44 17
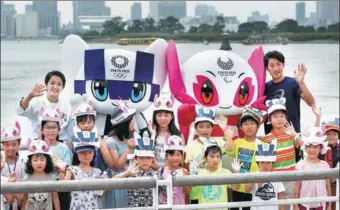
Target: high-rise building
pixel 256 16
pixel 88 8
pixel 202 10
pixel 153 9
pixel 27 24
pixel 8 13
pixel 300 12
pixel 28 8
pixel 177 9
pixel 47 16
pixel 136 11
pixel 327 12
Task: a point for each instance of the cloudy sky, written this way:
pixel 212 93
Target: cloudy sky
pixel 277 10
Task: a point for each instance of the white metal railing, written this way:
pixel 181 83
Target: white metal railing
pixel 129 183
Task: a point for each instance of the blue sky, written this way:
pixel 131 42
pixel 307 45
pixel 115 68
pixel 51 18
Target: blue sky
pixel 277 10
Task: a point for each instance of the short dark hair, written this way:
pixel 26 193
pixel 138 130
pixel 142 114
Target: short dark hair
pixel 84 118
pixel 49 165
pixel 172 152
pixel 55 73
pixel 273 54
pixel 122 131
pixel 212 150
pixel 246 118
pixel 76 162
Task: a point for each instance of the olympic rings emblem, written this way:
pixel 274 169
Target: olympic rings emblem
pixel 119 65
pixel 119 75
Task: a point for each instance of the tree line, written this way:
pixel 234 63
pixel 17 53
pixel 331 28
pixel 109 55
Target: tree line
pixel 172 25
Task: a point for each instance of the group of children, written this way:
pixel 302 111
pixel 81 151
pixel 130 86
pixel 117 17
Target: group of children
pixel 162 152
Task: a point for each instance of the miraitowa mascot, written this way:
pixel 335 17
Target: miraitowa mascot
pixel 216 78
pixel 110 75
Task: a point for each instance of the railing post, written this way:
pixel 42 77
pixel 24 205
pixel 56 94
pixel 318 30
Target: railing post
pixel 337 194
pixel 155 194
pixel 169 191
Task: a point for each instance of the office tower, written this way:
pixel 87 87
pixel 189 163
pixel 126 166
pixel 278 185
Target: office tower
pixel 300 13
pixel 136 11
pixel 48 20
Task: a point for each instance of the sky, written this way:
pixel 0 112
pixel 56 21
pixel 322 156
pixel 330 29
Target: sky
pixel 277 10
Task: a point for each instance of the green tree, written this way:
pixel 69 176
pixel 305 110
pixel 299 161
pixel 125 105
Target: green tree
pixel 92 33
pixel 114 26
pixel 288 25
pixel 170 25
pixel 260 26
pixel 137 26
pixel 253 27
pixel 306 29
pixel 334 28
pixel 149 25
pixel 321 29
pixel 193 29
pixel 219 24
pixel 203 28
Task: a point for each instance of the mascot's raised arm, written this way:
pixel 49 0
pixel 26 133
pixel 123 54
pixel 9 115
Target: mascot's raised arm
pixel 110 75
pixel 216 78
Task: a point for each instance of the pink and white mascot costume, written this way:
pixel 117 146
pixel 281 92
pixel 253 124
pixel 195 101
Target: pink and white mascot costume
pixel 216 78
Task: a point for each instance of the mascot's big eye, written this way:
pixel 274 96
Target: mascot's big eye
pixel 138 92
pixel 243 94
pixel 207 92
pixel 99 90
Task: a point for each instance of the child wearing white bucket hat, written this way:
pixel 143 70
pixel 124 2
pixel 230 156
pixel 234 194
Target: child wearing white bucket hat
pixel 267 191
pixel 313 145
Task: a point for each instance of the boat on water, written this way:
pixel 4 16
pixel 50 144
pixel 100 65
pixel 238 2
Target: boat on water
pixel 205 42
pixel 136 41
pixel 262 39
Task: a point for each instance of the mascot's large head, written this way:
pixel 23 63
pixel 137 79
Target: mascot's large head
pixel 110 75
pixel 217 78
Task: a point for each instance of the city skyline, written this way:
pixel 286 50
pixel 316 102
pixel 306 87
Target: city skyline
pixel 229 8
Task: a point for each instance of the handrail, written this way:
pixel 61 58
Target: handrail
pixel 149 182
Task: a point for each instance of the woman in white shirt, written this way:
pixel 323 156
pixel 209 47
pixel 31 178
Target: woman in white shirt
pixel 31 105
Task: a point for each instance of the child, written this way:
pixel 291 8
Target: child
pixel 215 193
pixel 267 191
pixel 287 140
pixel 174 152
pixel 39 167
pixel 60 152
pixel 85 130
pixel 244 149
pixel 332 156
pixel 121 144
pixel 144 156
pixel 82 168
pixel 9 198
pixel 314 146
pixel 14 164
pixel 163 124
pixel 204 125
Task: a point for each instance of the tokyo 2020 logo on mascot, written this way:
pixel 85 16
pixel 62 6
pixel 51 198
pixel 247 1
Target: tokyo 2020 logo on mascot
pixel 216 78
pixel 107 76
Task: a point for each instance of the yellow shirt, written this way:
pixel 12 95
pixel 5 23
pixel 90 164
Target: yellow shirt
pixel 244 151
pixel 194 155
pixel 214 193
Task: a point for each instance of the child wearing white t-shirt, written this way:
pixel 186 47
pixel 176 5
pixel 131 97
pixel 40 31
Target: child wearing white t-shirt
pixel 267 191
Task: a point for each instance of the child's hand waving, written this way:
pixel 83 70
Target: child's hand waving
pixel 236 165
pixel 289 129
pixel 133 168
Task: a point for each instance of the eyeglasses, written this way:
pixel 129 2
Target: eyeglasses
pixel 51 128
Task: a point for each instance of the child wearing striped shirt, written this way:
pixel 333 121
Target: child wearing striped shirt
pixel 285 138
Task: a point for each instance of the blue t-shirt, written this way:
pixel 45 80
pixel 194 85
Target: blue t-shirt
pixel 291 90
